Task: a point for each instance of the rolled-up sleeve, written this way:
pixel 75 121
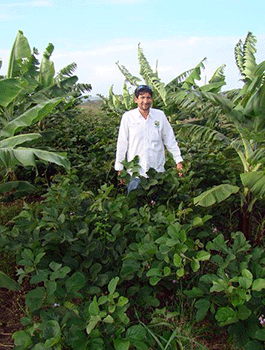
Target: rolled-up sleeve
pixel 122 143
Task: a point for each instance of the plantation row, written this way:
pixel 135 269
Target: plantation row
pixel 170 266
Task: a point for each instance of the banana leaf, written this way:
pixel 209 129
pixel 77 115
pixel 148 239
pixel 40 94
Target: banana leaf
pixel 255 182
pixel 10 157
pixel 9 90
pixel 215 195
pixel 20 50
pixel 30 117
pixel 18 140
pixel 21 186
pixel 7 282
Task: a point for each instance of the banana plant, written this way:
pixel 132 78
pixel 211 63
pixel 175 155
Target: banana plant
pixel 167 97
pixel 244 115
pixel 37 82
pixel 28 94
pixel 14 152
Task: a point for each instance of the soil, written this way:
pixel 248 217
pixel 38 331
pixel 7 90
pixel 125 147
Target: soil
pixel 12 304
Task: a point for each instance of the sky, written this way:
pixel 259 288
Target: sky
pixel 97 33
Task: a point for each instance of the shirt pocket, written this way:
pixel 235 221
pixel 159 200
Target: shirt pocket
pixel 154 137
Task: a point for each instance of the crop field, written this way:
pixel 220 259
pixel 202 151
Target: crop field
pixel 178 263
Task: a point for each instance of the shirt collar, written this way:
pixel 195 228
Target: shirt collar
pixel 149 115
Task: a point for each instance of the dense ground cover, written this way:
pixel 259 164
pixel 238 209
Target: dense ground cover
pixel 98 273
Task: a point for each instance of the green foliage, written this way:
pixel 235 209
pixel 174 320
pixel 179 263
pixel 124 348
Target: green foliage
pixel 28 94
pixel 234 288
pixel 243 116
pixel 80 252
pixel 168 97
pixel 7 282
pixel 148 270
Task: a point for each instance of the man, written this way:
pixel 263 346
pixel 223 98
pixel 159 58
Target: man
pixel 145 132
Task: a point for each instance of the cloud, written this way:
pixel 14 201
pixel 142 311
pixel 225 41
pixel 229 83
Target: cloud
pixel 33 3
pixel 9 12
pixel 114 2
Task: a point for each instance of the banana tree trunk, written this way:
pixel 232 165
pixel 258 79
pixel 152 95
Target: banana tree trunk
pixel 245 223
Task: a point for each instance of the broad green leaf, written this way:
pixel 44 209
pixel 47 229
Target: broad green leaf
pixel 20 50
pixel 51 329
pixel 9 90
pixel 258 284
pixel 243 312
pixel 92 323
pixel 34 298
pixel 52 157
pixel 180 272
pixel 19 186
pixel 154 272
pixel 7 282
pixel 55 266
pixel 215 195
pixel 102 299
pixel 173 230
pixel 244 282
pixel 147 249
pixel 75 282
pixel 247 274
pixel 112 285
pixel 260 334
pixel 30 117
pixel 167 271
pixel 154 280
pixel 197 222
pixel 177 260
pixel 195 265
pixel 195 292
pixel 136 332
pixel 22 339
pixel 60 273
pixel 226 315
pixel 129 267
pixel 121 344
pixel 203 306
pixel 194 75
pixel 10 157
pixel 47 70
pixel 122 301
pixel 203 255
pixel 51 287
pixel 93 307
pixel 255 182
pixel 108 319
pixel 253 345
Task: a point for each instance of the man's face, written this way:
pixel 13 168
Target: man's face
pixel 144 101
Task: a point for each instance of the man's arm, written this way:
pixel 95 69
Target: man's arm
pixel 122 147
pixel 122 144
pixel 172 145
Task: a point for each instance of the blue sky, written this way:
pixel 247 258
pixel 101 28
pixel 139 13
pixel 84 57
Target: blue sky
pixel 97 33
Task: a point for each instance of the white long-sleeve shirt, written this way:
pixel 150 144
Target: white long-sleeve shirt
pixel 146 138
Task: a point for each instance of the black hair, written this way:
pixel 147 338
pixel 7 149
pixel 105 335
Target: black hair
pixel 142 89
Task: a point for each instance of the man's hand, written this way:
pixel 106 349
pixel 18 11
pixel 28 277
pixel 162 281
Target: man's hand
pixel 179 169
pixel 122 180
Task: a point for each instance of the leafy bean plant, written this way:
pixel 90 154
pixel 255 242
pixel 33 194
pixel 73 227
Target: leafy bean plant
pixel 92 260
pixel 234 289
